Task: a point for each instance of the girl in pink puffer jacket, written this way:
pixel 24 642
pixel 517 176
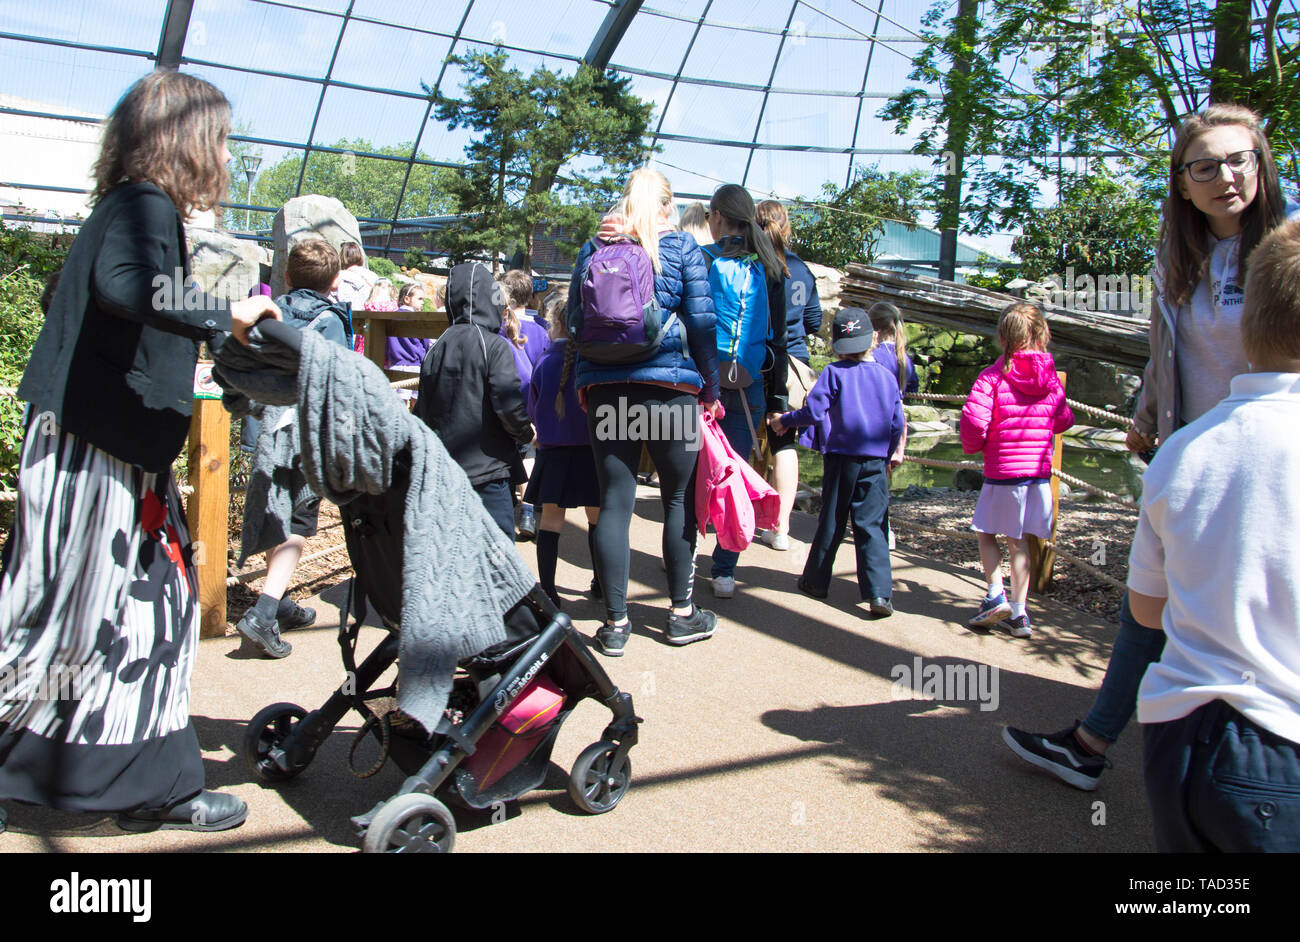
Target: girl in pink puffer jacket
pixel 1014 410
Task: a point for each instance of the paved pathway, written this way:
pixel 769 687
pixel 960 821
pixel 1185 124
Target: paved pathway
pixel 784 732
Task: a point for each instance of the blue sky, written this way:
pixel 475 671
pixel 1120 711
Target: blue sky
pixel 393 44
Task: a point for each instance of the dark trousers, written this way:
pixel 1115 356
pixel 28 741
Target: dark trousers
pixel 1216 782
pixel 856 487
pixel 500 504
pixel 617 459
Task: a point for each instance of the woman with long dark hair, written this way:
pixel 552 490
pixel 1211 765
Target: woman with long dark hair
pixel 98 587
pixel 803 316
pixel 1224 197
pixel 749 306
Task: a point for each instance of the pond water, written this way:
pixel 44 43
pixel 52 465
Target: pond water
pixel 1106 465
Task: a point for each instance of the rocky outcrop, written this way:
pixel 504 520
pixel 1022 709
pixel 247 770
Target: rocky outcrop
pixel 222 265
pixel 309 217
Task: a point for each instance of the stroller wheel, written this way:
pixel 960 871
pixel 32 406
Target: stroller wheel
pixel 413 823
pixel 594 785
pixel 267 731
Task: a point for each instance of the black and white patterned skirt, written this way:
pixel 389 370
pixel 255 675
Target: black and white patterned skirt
pixel 98 633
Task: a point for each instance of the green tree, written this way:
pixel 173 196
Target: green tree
pixel 1116 78
pixel 367 186
pixel 847 224
pixel 1099 227
pixel 530 128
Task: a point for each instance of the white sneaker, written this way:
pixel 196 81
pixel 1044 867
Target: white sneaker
pixel 724 587
pixel 775 539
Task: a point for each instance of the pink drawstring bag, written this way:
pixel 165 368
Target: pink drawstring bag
pixel 729 494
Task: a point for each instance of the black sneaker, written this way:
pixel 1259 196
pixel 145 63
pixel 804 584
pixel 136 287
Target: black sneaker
pixel 696 626
pixel 300 617
pixel 266 637
pixel 612 639
pixel 1058 753
pixel 526 523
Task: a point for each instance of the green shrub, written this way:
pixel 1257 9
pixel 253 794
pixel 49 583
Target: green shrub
pixel 383 267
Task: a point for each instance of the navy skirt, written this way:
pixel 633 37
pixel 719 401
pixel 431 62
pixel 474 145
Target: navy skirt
pixel 564 475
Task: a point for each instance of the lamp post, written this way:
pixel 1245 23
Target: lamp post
pixel 251 162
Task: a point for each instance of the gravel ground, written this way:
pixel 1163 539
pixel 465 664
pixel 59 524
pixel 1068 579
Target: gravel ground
pixel 1096 532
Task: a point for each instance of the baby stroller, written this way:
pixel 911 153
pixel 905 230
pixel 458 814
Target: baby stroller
pixel 506 708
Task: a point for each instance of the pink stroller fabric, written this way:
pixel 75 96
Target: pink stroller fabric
pixel 729 493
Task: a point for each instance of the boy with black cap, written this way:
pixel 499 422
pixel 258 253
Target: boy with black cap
pixel 854 415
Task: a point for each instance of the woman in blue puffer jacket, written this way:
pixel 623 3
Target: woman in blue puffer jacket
pixel 626 406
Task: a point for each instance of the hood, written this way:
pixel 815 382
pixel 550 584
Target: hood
pixel 1032 372
pixel 474 297
pixel 305 305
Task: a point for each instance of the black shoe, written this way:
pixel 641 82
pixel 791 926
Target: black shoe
pixel 206 811
pixel 612 639
pixel 697 626
pixel 526 523
pixel 265 636
pixel 1058 753
pixel 881 608
pixel 806 588
pixel 300 617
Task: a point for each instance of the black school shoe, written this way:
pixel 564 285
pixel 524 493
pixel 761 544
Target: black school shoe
pixel 697 626
pixel 206 811
pixel 881 608
pixel 300 617
pixel 266 637
pixel 806 588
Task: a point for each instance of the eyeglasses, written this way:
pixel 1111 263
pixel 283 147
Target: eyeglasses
pixel 1207 168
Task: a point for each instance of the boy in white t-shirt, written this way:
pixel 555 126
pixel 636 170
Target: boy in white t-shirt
pixel 1215 564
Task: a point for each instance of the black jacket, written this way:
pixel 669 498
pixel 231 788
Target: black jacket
pixel 115 359
pixel 469 389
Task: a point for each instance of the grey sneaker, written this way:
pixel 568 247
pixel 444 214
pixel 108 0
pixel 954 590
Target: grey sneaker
pixel 265 637
pixel 696 626
pixel 300 617
pixel 612 639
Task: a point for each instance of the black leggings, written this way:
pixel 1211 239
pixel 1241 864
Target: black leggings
pixel 618 455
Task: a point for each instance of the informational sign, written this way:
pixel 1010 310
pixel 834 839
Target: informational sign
pixel 205 387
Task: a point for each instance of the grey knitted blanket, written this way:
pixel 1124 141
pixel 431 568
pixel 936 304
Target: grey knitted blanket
pixel 460 573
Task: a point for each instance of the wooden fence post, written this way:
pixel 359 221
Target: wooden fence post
pixel 208 509
pixel 1041 556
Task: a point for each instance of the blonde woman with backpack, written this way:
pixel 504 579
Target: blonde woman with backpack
pixel 652 356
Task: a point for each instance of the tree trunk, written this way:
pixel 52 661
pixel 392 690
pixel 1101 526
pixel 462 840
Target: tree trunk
pixel 965 30
pixel 1231 62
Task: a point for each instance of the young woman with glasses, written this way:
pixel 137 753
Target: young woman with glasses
pixel 1224 197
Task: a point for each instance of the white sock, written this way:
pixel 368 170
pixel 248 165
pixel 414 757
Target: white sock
pixel 1017 609
pixel 995 587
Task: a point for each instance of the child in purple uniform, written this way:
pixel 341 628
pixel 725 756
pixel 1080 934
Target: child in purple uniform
pixel 856 416
pixel 565 473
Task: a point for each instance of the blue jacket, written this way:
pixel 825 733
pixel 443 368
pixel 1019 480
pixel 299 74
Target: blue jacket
pixel 303 308
pixel 681 287
pixel 803 307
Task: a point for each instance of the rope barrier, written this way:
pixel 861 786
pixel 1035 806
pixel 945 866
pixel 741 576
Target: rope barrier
pixel 904 525
pixel 1067 478
pixel 257 574
pixel 1073 403
pixel 406 383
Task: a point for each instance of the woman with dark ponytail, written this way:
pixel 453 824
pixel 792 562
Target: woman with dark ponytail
pixel 803 316
pixel 747 276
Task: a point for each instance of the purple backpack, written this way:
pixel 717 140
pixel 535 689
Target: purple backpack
pixel 621 319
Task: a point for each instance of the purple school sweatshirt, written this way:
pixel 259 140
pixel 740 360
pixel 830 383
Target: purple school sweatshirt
pixel 406 351
pixel 553 431
pixel 854 408
pixel 536 342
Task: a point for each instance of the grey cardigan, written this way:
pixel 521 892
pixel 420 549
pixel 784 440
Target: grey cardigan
pixel 460 574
